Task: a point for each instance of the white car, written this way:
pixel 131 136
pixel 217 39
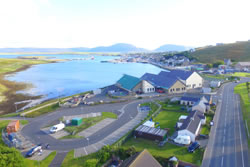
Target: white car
pixel 57 128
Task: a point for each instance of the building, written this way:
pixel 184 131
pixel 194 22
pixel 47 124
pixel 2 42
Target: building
pixel 242 66
pixel 191 98
pixel 215 84
pixel 150 133
pixel 190 78
pixel 142 159
pixel 134 84
pixel 199 106
pixel 227 62
pixel 191 126
pixel 170 85
pixel 13 126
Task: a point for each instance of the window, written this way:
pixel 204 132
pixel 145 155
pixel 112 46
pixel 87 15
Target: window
pixel 148 89
pixel 177 89
pixel 188 86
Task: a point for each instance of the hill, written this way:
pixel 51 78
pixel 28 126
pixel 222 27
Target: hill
pixel 120 47
pixel 171 47
pixel 239 51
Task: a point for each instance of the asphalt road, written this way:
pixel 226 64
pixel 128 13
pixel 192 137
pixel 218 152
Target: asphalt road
pixel 227 145
pixel 33 131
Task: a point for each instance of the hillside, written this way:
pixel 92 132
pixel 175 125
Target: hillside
pixel 239 51
pixel 120 47
pixel 171 47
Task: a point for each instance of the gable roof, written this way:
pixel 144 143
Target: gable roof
pixel 181 74
pixel 192 122
pixel 159 80
pixel 201 104
pixel 195 97
pixel 128 82
pixel 143 159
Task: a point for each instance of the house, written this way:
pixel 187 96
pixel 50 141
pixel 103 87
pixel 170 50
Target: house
pixel 199 106
pixel 150 133
pixel 169 84
pixel 190 78
pixel 242 66
pixel 134 84
pixel 227 62
pixel 142 159
pixel 206 90
pixel 182 118
pixel 191 98
pixel 192 124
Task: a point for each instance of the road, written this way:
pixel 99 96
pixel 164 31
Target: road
pixel 33 131
pixel 227 145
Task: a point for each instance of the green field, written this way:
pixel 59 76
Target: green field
pixel 42 111
pixel 241 74
pixel 236 51
pixel 243 91
pixel 87 122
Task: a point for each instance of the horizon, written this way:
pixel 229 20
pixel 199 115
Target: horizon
pixel 144 24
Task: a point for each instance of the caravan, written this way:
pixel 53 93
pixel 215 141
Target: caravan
pixel 181 139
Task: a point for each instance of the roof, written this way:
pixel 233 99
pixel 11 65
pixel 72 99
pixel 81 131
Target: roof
pixel 151 130
pixel 144 159
pixel 149 124
pixel 192 122
pixel 187 98
pixel 244 63
pixel 201 104
pixel 159 80
pixel 128 82
pixel 13 123
pixel 196 96
pixel 180 74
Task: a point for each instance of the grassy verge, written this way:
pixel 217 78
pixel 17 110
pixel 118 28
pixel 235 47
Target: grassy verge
pixel 42 111
pixel 87 122
pixel 241 74
pixel 166 151
pixel 243 91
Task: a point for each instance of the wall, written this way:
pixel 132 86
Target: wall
pixel 177 85
pixel 194 81
pixel 146 85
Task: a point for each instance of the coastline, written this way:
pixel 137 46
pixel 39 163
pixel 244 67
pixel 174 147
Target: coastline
pixel 11 87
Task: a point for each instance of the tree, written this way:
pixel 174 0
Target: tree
pixel 10 157
pixel 216 64
pixel 209 65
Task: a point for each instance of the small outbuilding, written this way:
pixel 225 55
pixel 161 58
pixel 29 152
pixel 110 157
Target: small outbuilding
pixel 150 133
pixel 76 121
pixel 13 126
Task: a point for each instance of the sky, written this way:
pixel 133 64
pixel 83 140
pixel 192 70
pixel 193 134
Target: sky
pixel 143 23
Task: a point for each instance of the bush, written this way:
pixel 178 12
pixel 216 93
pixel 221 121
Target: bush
pixel 90 163
pixel 10 157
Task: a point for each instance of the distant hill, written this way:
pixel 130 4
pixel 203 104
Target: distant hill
pixel 120 47
pixel 171 47
pixel 239 51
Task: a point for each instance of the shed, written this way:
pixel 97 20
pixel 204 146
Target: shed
pixel 13 126
pixel 150 133
pixel 76 121
pixel 149 124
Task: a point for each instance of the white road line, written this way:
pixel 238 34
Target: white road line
pixel 94 147
pixel 224 131
pixel 234 131
pixel 240 133
pixel 85 150
pixel 222 161
pixel 223 140
pixel 223 149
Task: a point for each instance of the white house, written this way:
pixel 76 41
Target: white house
pixel 192 124
pixel 215 84
pixel 191 78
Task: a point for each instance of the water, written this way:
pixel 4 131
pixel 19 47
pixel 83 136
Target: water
pixel 71 77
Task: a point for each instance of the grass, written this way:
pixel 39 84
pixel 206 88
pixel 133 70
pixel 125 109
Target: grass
pixel 42 111
pixel 28 162
pixel 166 151
pixel 152 106
pixel 69 160
pixel 242 90
pixel 205 130
pixel 241 74
pixel 87 122
pixel 236 51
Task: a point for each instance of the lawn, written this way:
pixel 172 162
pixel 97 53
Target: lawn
pixel 166 151
pixel 205 130
pixel 28 163
pixel 241 74
pixel 87 122
pixel 242 90
pixel 42 111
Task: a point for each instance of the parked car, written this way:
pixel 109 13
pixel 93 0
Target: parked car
pixel 193 147
pixel 160 90
pixel 34 150
pixel 201 136
pixel 57 128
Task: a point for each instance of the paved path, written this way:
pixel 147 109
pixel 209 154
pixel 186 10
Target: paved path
pixel 227 144
pixel 57 161
pixel 93 129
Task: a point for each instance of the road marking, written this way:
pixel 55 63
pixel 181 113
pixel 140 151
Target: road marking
pixel 224 132
pixel 222 161
pixel 234 131
pixel 242 158
pixel 94 147
pixel 223 150
pixel 85 150
pixel 223 140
